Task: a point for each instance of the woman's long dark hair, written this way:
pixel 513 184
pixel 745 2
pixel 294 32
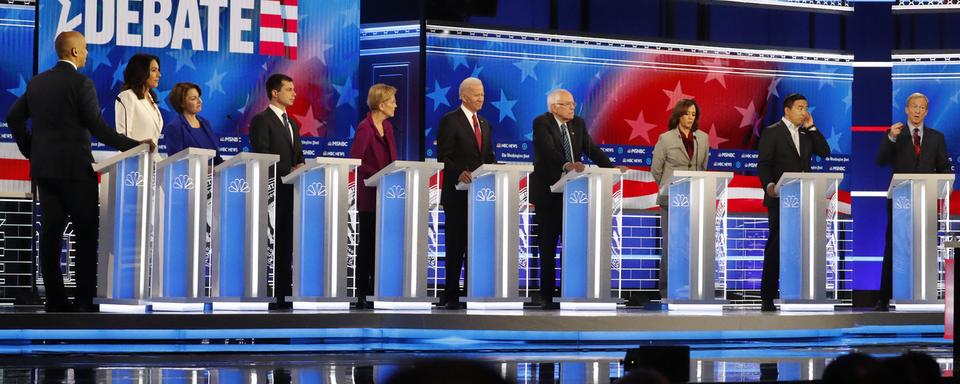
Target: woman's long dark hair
pixel 681 109
pixel 137 72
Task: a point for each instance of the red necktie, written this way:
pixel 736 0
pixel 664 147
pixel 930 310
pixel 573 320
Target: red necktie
pixel 477 133
pixel 916 141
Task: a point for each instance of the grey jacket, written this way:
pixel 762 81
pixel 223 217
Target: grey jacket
pixel 670 155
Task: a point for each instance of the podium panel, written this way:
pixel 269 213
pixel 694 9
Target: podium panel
pixel 179 255
pixel 321 203
pixel 125 187
pixel 238 265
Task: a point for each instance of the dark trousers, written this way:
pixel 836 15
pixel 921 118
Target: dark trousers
pixel 770 280
pixel 366 251
pixel 78 200
pixel 455 243
pixel 283 251
pixel 886 269
pixel 549 219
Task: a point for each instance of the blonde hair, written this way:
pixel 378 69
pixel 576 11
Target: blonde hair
pixel 379 93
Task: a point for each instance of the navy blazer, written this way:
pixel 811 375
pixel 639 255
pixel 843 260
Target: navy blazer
pixel 933 152
pixel 179 135
pixel 778 154
pixel 548 157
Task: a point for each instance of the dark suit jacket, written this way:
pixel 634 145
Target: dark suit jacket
pixel 778 154
pixel 548 158
pixel 268 135
pixel 933 152
pixel 62 103
pixel 179 135
pixel 457 150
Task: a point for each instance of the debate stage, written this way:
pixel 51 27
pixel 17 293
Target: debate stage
pixel 33 332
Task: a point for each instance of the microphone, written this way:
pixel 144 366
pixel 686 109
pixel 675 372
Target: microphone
pixel 117 98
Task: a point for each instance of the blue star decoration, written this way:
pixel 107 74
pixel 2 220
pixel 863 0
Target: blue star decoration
pixel 353 131
pixel 20 89
pixel 439 95
pixel 99 57
pixel 834 141
pixel 457 60
pixel 505 106
pixel 214 84
pixel 526 69
pixel 118 74
pixel 348 94
pixel 162 99
pixel 183 57
pixel 476 70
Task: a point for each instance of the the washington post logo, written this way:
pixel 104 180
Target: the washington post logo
pixel 177 24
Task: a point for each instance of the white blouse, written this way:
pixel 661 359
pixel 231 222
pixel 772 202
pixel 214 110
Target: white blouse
pixel 136 118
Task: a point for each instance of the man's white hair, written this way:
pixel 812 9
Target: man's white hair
pixel 554 96
pixel 469 82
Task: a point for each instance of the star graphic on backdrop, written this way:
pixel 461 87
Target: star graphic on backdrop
pixel 527 69
pixel 505 106
pixel 351 16
pixel 21 87
pixel 214 84
pixel 714 139
pixel 183 57
pixel 426 132
pixel 99 58
pixel 118 74
pixel 554 87
pixel 848 99
pixel 772 88
pixel 348 94
pixel 827 71
pixel 309 125
pixel 834 141
pixel 317 50
pixel 712 74
pixel 353 131
pixel 640 127
pixel 749 115
pixel 675 95
pixel 476 70
pixel 956 97
pixel 457 60
pixel 162 99
pixel 896 102
pixel 243 108
pixel 439 95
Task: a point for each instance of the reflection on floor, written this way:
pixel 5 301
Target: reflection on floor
pixel 710 362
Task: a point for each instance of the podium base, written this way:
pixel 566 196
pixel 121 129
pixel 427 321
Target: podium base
pixel 918 306
pixel 321 303
pixel 695 305
pixel 588 304
pixel 402 303
pixel 108 305
pixel 241 303
pixel 494 303
pixel 793 305
pixel 162 304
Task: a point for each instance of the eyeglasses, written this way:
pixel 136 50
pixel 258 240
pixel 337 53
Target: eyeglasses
pixel 567 105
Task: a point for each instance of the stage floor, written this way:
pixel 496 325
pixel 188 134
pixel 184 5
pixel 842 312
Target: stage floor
pixel 26 330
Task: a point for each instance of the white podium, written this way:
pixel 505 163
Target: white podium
pixel 493 233
pixel 401 256
pixel 915 266
pixel 320 204
pixel 691 239
pixel 803 236
pixel 238 263
pixel 123 251
pixel 179 254
pixel 587 221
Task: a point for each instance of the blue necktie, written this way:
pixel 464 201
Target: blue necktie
pixel 567 147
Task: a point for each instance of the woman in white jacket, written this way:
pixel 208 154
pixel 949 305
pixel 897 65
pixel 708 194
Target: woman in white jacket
pixel 136 110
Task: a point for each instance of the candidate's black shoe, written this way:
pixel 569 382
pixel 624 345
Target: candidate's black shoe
pixel 882 306
pixel 767 306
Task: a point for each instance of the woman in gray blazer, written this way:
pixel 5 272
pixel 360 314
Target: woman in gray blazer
pixel 682 147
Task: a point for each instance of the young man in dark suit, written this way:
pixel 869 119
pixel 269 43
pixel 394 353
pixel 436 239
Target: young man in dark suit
pixel 786 146
pixel 272 131
pixel 560 140
pixel 62 103
pixel 463 145
pixel 917 149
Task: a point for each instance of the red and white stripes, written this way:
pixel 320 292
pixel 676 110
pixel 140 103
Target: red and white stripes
pixel 278 28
